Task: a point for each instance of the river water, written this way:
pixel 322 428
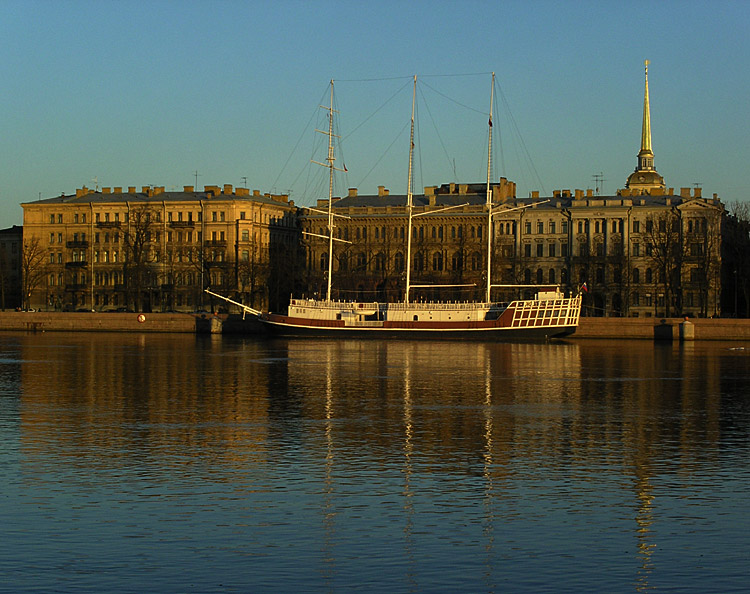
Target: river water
pixel 172 463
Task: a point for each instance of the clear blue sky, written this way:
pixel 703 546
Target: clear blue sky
pixel 137 93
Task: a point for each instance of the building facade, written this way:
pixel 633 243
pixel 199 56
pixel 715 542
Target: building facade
pixel 156 250
pixel 11 240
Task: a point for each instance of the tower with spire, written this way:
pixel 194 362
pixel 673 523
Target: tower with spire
pixel 645 179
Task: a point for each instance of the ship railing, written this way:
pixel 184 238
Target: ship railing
pixel 552 312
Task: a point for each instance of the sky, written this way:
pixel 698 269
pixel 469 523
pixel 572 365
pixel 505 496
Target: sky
pixel 120 93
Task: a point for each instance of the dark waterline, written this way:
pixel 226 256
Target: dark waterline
pixel 209 464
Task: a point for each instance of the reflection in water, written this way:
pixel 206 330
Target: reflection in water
pixel 382 465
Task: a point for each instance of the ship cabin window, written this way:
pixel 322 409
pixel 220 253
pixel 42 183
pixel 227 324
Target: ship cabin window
pixel 416 318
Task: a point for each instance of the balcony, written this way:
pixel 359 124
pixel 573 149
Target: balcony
pixel 181 224
pixel 76 264
pixel 77 244
pixel 216 243
pixel 108 224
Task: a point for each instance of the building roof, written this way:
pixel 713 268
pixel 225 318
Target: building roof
pixel 86 196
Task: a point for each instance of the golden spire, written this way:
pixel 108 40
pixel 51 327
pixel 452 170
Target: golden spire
pixel 645 178
pixel 646 131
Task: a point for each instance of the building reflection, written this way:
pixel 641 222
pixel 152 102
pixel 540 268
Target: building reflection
pixel 480 418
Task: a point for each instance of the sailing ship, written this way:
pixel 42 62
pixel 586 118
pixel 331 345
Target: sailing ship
pixel 550 314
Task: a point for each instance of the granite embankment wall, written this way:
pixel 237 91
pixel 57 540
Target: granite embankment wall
pixel 605 328
pixel 122 322
pixel 649 328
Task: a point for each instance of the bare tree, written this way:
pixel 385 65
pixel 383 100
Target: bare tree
pixel 664 247
pixel 33 269
pixel 139 243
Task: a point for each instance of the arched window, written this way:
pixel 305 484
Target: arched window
pixel 564 276
pixel 419 262
pixel 539 276
pixel 649 275
pixel 398 262
pixel 380 262
pixel 476 260
pixel 437 261
pixel 527 276
pixel 552 276
pixel 344 262
pixel 457 261
pixel 361 261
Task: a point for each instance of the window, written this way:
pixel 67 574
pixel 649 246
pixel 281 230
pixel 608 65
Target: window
pixel 540 227
pixel 636 249
pixel 552 226
pixel 214 216
pixel 564 249
pixel 527 228
pixel 552 277
pixel 539 250
pixel 398 262
pixel 221 216
pixel 242 215
pixel 636 226
pixel 564 227
pixel 552 250
pixel 245 235
pixel 437 261
pixel 59 218
pixel 245 257
pixel 636 275
pixel 52 219
pixel 527 250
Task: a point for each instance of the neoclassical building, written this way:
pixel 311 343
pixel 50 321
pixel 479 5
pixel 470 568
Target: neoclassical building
pixel 645 251
pixel 155 250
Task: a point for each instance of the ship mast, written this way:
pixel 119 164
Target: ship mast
pixel 331 168
pixel 489 195
pixel 330 195
pixel 409 195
